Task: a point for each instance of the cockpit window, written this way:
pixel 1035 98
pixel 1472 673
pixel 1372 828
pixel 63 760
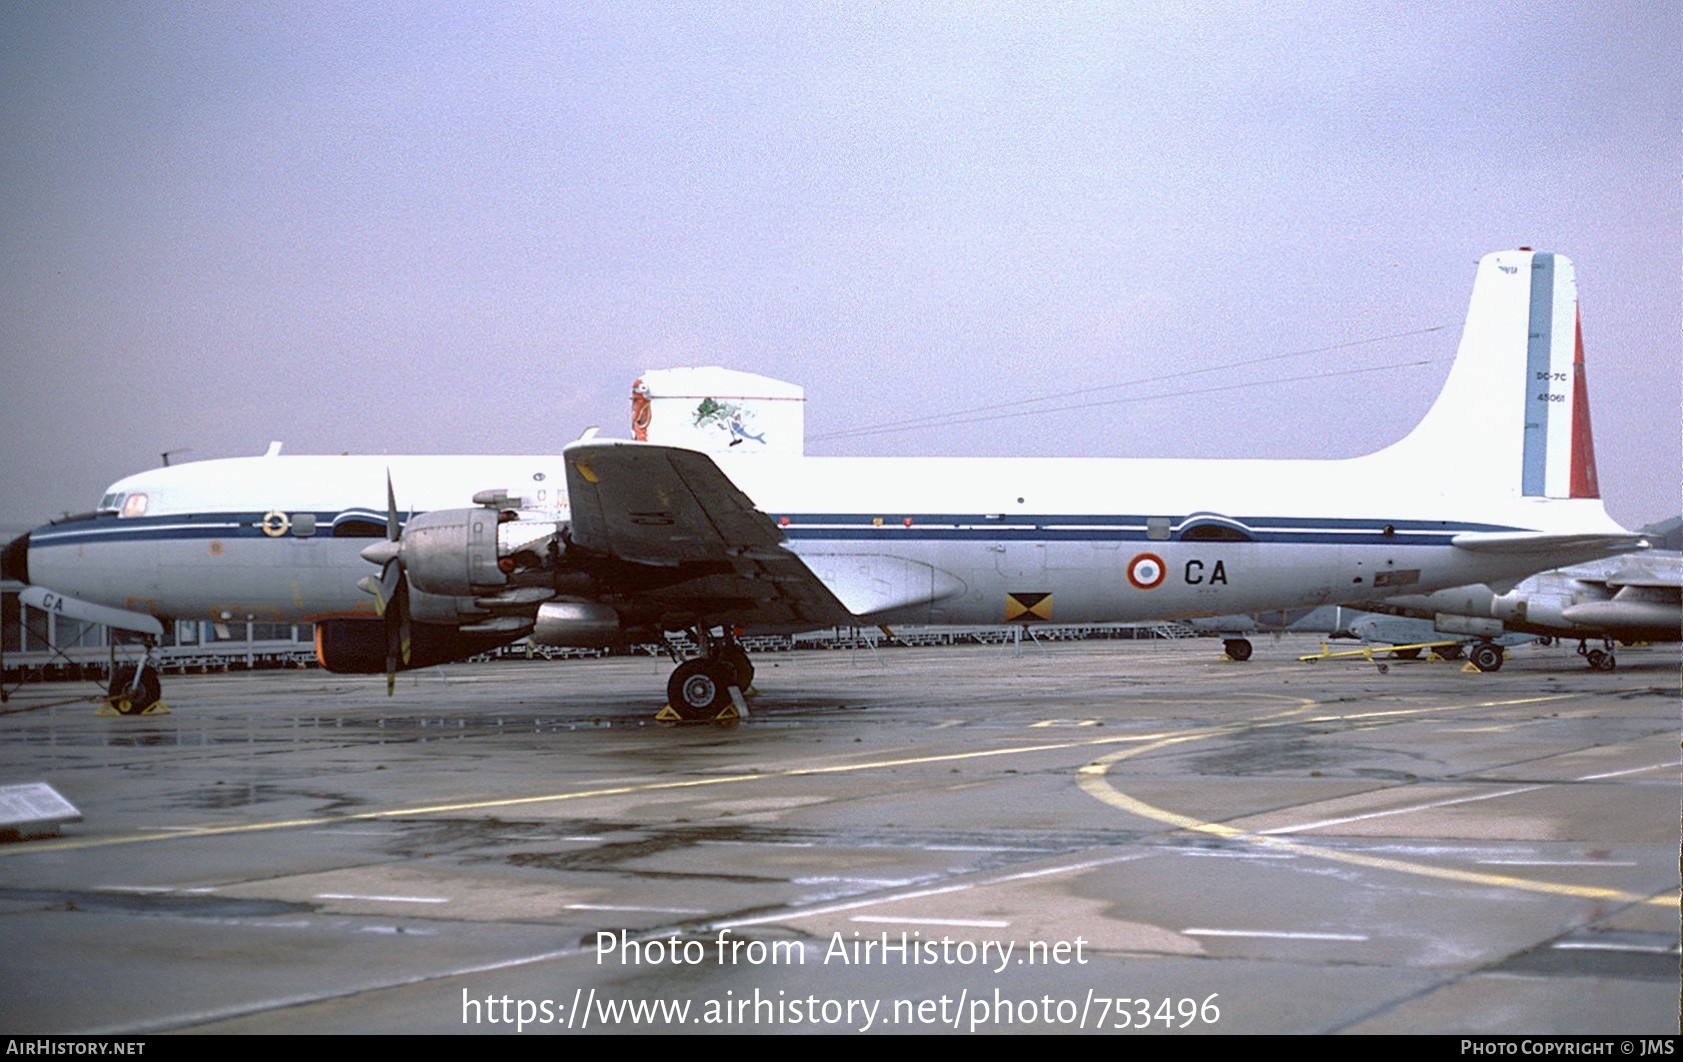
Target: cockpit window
pixel 108 504
pixel 134 505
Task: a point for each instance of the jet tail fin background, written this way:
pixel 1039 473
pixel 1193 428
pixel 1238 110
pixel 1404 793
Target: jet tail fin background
pixel 717 411
pixel 1513 416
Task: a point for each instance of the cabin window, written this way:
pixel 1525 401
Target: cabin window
pixel 1210 527
pixel 303 524
pixel 358 525
pixel 1157 528
pixel 1214 533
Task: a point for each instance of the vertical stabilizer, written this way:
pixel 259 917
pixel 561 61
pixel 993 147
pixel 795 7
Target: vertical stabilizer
pixel 718 410
pixel 1514 412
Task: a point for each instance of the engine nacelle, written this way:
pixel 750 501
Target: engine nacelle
pixel 1539 609
pixel 1452 623
pixel 577 625
pixel 467 552
pixel 358 646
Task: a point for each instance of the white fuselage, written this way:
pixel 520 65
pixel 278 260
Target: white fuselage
pixel 937 540
pixel 1497 481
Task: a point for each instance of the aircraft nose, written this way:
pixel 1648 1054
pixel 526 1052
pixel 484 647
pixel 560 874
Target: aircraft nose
pixel 14 559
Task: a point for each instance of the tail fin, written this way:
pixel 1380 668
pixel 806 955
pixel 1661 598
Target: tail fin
pixel 719 411
pixel 1515 404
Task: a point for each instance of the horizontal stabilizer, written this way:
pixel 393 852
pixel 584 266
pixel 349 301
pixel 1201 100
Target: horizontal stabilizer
pixel 1659 576
pixel 1526 542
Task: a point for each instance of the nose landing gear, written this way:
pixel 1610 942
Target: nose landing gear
pixel 135 689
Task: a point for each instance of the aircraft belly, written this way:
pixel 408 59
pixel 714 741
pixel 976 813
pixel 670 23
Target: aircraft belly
pixel 1079 582
pixel 1085 582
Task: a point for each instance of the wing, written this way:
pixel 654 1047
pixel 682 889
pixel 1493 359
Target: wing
pixel 673 540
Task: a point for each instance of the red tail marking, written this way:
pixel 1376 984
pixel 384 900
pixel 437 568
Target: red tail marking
pixel 1584 483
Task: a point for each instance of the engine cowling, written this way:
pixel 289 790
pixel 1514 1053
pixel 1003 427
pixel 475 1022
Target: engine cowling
pixel 472 552
pixel 1537 608
pixel 452 552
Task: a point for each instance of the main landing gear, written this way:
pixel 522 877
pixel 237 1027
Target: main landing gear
pixel 1599 659
pixel 1237 649
pixel 710 687
pixel 1486 656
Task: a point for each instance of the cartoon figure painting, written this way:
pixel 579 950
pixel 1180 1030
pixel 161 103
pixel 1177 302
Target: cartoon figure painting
pixel 716 410
pixel 729 418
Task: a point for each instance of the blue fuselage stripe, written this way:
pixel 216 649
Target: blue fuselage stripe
pixel 1538 361
pixel 846 527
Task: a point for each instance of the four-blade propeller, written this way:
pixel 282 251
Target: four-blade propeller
pixel 390 589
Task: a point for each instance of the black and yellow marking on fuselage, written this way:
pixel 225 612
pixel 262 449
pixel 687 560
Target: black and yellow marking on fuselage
pixel 1024 607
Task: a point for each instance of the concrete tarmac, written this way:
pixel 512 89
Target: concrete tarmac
pixel 1120 836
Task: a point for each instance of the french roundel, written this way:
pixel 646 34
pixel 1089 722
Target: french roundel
pixel 1146 571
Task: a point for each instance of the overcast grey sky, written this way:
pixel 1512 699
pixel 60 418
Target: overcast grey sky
pixel 462 228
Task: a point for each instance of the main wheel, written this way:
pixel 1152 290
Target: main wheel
pixel 700 689
pixel 1237 649
pixel 1601 661
pixel 737 658
pixel 1486 657
pixel 133 699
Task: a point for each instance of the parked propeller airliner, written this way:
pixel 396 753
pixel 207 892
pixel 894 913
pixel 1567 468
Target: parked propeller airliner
pixel 611 541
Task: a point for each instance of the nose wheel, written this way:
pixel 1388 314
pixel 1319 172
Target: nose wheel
pixel 134 689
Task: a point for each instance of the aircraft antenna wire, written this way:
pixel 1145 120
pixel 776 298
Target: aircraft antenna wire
pixel 979 414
